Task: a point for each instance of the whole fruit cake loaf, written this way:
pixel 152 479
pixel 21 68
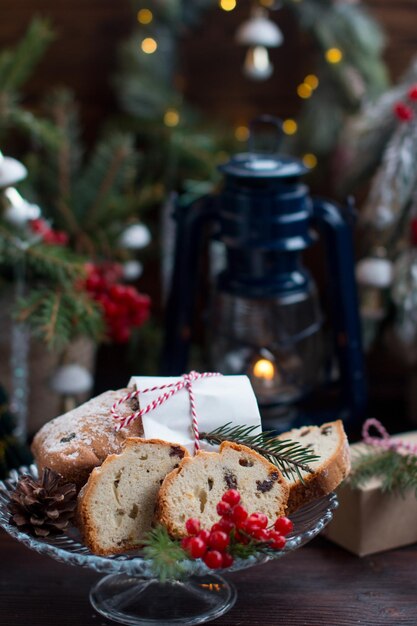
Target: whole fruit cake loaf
pixel 330 444
pixel 116 507
pixel 194 488
pixel 76 442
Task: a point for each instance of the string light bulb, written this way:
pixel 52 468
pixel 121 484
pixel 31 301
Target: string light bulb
pixel 227 5
pixel 312 81
pixel 334 55
pixel 289 126
pixel 149 45
pixel 258 33
pixel 242 133
pixel 171 118
pixel 257 63
pixel 144 16
pixel 310 160
pixel 304 91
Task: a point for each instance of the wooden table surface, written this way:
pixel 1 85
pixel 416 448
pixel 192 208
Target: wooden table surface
pixel 318 585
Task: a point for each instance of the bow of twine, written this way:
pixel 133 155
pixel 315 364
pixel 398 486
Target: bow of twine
pixel 383 439
pixel 186 382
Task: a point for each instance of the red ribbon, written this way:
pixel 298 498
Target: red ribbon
pixel 185 382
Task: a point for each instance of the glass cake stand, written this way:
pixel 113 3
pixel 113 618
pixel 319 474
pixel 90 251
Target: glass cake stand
pixel 130 594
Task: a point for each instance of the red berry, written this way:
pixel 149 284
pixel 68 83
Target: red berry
pixel 184 542
pixel 261 534
pixel 192 526
pixel 111 309
pixel 240 538
pixel 204 534
pixel 38 226
pixel 283 525
pixel 258 518
pixel 225 524
pixel 49 236
pixel 213 559
pixel 403 112
pixel 224 508
pixel 412 93
pixel 252 529
pixel 117 292
pixel 218 540
pixel 276 539
pixel 227 559
pixel 61 238
pixel 239 514
pixel 196 547
pixel 232 497
pixel 216 527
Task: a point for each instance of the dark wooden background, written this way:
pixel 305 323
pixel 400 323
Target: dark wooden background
pixel 84 58
pixel 84 55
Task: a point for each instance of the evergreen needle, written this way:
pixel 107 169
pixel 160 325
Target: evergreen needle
pixel 289 456
pixel 165 553
pixel 397 472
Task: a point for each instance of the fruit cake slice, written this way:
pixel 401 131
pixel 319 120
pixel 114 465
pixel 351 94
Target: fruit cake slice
pixel 197 485
pixel 76 442
pixel 330 444
pixel 116 507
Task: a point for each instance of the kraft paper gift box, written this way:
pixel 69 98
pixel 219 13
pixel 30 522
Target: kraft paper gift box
pixel 369 521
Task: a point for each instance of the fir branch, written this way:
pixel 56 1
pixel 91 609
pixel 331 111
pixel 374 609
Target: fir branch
pixel 58 316
pixel 39 129
pixel 56 263
pixel 119 157
pixel 111 169
pixel 289 456
pixel 166 554
pixel 397 472
pixel 16 66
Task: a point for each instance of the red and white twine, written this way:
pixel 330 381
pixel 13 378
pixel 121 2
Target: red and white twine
pixel 383 440
pixel 186 382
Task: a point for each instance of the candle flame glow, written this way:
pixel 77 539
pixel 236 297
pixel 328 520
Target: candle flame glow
pixel 264 368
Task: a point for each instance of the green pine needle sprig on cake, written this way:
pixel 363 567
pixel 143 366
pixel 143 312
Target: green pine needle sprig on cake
pixel 289 456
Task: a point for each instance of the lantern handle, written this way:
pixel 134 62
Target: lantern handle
pixel 190 222
pixel 336 224
pixel 270 120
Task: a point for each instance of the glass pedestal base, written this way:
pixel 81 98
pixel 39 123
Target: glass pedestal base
pixel 137 601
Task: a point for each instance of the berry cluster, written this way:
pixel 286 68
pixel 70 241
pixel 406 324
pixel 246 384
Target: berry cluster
pixel 236 527
pixel 124 307
pixel 403 111
pixel 48 235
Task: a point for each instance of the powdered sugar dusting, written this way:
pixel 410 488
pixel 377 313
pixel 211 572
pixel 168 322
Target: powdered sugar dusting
pixel 86 433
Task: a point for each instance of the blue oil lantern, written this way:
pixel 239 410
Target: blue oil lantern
pixel 264 316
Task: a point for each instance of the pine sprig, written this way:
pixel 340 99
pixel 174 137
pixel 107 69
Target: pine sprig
pixel 56 316
pixel 397 472
pixel 165 553
pixel 16 66
pixel 289 456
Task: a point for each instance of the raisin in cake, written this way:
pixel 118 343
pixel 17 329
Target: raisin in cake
pixel 330 444
pixel 116 507
pixel 76 442
pixel 195 488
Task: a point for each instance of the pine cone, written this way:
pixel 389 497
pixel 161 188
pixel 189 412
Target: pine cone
pixel 44 507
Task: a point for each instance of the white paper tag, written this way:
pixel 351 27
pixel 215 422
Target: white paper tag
pixel 218 400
